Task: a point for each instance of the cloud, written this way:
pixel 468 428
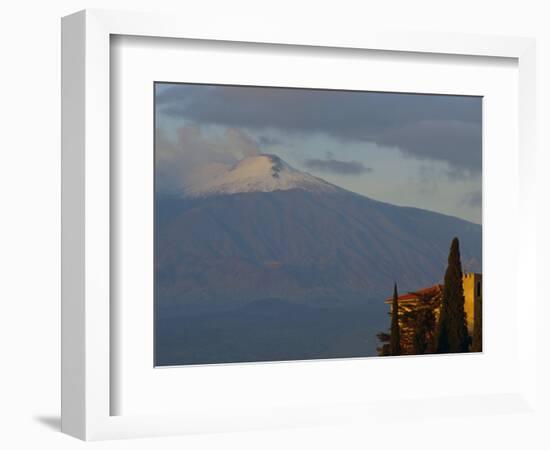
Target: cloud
pixel 436 127
pixel 458 143
pixel 472 199
pixel 269 141
pixel 238 143
pixel 337 167
pixel 177 161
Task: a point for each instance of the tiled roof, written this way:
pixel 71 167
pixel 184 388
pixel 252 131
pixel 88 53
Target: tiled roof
pixel 430 291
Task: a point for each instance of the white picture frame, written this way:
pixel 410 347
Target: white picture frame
pixel 86 201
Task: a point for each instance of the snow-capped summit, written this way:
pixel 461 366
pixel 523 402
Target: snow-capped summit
pixel 260 173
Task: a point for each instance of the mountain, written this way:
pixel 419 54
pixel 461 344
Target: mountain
pixel 262 230
pixel 262 173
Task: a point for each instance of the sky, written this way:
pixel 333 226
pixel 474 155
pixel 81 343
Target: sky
pixel 406 149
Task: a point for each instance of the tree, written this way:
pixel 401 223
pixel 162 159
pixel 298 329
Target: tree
pixel 477 338
pixel 384 349
pixel 395 335
pixel 453 332
pixel 424 325
pixel 419 324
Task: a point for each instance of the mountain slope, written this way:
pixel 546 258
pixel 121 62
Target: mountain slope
pixel 240 238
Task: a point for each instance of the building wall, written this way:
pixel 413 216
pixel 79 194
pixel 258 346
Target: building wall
pixel 473 287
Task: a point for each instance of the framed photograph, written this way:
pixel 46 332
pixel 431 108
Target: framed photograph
pixel 268 228
pixel 268 246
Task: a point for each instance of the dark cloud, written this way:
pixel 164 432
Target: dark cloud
pixel 268 141
pixel 434 127
pixel 338 167
pixel 458 143
pixel 472 199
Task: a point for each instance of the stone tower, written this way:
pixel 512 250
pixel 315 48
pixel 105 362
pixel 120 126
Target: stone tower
pixel 473 285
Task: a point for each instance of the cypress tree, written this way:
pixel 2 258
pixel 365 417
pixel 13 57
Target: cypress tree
pixel 453 332
pixel 477 338
pixel 395 335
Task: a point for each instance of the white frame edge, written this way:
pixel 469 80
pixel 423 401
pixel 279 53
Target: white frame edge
pixel 72 225
pixel 86 203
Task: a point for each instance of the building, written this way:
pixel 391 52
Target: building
pixel 429 299
pixel 472 283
